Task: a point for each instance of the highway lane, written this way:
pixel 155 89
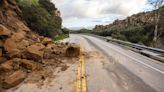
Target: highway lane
pixel 127 71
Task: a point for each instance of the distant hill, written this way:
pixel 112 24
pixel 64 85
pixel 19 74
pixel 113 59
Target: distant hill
pixel 137 28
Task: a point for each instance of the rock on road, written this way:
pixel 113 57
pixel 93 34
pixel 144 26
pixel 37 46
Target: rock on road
pixel 108 68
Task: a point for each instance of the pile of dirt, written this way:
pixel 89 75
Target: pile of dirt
pixel 22 51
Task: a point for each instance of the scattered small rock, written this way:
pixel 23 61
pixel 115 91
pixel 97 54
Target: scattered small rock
pixel 64 67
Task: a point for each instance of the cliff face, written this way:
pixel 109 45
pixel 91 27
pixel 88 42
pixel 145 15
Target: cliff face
pixel 136 20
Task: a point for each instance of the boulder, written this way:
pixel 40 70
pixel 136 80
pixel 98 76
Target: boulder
pixel 59 48
pixel 28 64
pixel 47 53
pixel 7 66
pixel 4 31
pixel 51 46
pixel 18 36
pixel 11 47
pixel 72 51
pixel 46 41
pixel 34 37
pixel 14 79
pixel 35 51
pixel 23 44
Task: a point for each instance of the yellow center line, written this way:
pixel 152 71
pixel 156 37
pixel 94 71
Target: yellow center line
pixel 84 84
pixel 81 85
pixel 78 85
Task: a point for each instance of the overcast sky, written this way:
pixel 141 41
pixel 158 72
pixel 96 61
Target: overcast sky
pixel 88 13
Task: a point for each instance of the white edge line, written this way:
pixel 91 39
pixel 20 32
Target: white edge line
pixel 162 72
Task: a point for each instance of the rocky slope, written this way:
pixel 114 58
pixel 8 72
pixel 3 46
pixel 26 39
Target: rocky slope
pixel 138 28
pixel 135 20
pixel 21 50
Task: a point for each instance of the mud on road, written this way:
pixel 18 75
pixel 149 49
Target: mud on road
pixel 50 78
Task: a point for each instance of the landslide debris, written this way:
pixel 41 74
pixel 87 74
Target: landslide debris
pixel 23 51
pixel 73 51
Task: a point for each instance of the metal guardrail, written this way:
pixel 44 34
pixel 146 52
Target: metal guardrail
pixel 137 46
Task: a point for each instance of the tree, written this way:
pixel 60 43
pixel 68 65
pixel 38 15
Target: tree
pixel 48 5
pixel 156 4
pixel 39 15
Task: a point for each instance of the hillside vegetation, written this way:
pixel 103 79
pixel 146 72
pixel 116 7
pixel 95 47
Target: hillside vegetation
pixel 41 16
pixel 138 28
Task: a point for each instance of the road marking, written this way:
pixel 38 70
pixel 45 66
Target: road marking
pixel 137 60
pixel 151 67
pixel 84 84
pixel 81 85
pixel 78 84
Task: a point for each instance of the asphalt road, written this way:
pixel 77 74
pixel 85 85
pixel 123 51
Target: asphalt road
pixel 123 70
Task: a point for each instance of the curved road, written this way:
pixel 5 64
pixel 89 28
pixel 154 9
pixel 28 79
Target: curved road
pixel 125 70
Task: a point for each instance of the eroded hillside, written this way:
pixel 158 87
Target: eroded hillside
pixel 22 51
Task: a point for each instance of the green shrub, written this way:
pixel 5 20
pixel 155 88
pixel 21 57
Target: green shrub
pixel 119 36
pixel 60 37
pixel 40 18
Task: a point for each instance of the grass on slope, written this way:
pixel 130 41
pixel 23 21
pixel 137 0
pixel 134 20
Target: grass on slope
pixel 27 2
pixel 61 37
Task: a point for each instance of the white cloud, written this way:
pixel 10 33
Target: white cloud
pixel 79 13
